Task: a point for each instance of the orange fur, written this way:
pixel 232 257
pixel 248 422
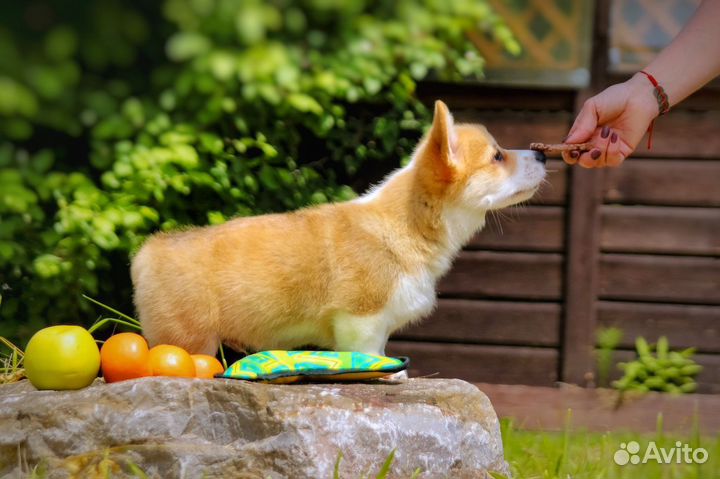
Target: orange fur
pixel 339 276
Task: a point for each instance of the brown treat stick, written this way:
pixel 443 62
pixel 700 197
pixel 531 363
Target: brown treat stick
pixel 558 147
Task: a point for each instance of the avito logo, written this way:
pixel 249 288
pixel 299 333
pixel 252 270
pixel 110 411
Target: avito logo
pixel 680 454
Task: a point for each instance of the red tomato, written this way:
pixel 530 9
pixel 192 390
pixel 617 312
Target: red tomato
pixel 167 360
pixel 206 367
pixel 124 356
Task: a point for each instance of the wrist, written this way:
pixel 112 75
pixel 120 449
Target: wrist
pixel 642 95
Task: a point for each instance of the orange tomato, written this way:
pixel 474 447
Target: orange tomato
pixel 167 360
pixel 124 356
pixel 206 367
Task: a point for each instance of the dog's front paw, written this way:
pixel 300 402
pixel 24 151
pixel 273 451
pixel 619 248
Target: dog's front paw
pixel 399 377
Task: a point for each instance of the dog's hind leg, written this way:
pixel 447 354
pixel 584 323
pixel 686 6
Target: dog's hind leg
pixel 174 306
pixel 179 329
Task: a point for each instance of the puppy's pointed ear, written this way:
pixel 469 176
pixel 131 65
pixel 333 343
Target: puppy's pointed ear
pixel 442 138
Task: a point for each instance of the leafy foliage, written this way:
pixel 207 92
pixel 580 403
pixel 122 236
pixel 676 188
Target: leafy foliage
pixel 657 368
pixel 119 120
pixel 608 339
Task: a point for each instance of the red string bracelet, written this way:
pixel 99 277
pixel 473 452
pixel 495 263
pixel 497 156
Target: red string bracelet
pixel 662 101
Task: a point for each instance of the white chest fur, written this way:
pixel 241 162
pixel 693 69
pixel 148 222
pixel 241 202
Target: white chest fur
pixel 414 296
pixel 412 299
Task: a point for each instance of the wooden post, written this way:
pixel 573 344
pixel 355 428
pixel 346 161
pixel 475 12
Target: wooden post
pixel 583 235
pixel 581 276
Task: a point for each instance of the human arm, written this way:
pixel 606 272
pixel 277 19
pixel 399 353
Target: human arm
pixel 616 119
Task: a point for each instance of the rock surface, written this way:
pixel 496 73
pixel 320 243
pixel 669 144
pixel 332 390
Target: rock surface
pixel 185 428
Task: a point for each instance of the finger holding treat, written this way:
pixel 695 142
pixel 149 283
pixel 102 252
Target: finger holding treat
pixel 595 158
pixel 617 150
pixel 608 149
pixel 569 152
pixel 571 156
pixel 597 155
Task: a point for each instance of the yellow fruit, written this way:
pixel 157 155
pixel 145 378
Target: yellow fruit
pixel 62 357
pixel 206 367
pixel 124 356
pixel 168 360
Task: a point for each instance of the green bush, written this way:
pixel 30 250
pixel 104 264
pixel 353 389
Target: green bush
pixel 657 368
pixel 117 121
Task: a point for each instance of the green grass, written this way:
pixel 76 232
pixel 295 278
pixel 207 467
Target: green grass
pixel 581 454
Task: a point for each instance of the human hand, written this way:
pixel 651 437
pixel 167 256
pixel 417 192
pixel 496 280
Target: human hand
pixel 614 121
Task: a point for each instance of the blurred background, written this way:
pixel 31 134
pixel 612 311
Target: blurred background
pixel 119 119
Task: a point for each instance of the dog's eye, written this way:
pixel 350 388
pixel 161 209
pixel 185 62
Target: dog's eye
pixel 498 156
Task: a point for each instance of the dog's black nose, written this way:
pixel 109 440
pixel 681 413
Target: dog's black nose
pixel 540 156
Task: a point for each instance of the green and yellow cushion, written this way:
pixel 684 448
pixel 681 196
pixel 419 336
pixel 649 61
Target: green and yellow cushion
pixel 290 366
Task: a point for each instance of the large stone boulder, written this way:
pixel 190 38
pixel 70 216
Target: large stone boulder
pixel 186 428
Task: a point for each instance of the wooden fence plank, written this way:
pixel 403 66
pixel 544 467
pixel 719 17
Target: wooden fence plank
pixel 660 278
pixel 685 326
pixel 504 364
pixel 524 229
pixel 517 129
pixel 482 96
pixel 478 274
pixel 494 322
pixel 685 134
pixel 644 229
pixel 664 182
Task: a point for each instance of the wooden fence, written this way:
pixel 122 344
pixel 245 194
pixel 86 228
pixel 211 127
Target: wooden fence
pixel 637 247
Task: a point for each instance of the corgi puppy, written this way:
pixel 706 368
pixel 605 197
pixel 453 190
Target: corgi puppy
pixel 340 276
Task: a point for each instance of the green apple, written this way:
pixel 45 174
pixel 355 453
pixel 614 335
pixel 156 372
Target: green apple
pixel 62 357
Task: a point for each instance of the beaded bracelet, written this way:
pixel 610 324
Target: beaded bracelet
pixel 662 101
pixel 660 95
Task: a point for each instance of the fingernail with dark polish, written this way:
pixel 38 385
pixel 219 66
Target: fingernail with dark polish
pixel 605 131
pixel 595 154
pixel 613 138
pixel 574 154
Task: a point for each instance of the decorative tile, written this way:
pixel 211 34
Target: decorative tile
pixel 640 29
pixel 556 42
